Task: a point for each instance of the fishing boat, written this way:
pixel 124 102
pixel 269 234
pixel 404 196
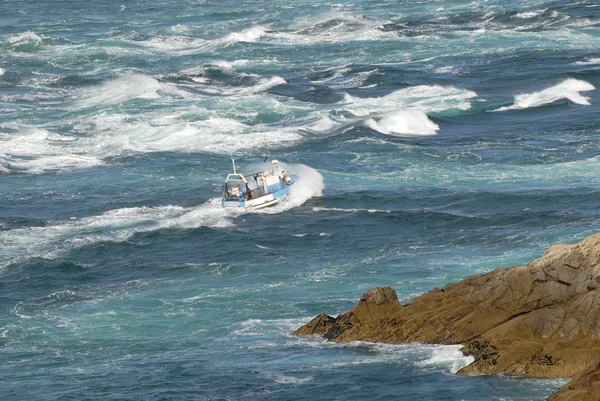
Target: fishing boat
pixel 258 190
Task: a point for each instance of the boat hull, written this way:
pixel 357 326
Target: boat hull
pixel 257 203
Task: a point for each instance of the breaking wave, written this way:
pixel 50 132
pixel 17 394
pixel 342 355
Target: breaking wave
pixel 120 90
pixel 36 150
pixel 410 123
pixel 568 89
pixel 25 42
pixel 425 98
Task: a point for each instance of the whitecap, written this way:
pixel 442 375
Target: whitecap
pixel 568 89
pixel 404 123
pixel 35 150
pixel 422 97
pixel 2 71
pixel 249 35
pixel 26 41
pixel 530 14
pixel 590 61
pixel 120 90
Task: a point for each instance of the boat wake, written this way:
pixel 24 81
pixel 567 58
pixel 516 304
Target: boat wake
pixel 120 225
pixel 116 225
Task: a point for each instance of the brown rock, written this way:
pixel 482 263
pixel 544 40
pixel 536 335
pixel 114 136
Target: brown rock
pixel 539 320
pixel 585 386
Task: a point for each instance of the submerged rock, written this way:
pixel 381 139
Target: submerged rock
pixel 538 320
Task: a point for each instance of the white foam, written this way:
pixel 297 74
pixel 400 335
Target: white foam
pixel 282 379
pixel 262 84
pixel 568 89
pixel 351 210
pixel 333 27
pixel 25 38
pixel 36 150
pixel 590 61
pixel 114 226
pixel 169 133
pixel 249 35
pixel 448 69
pixel 119 90
pixel 422 97
pixel 2 71
pixel 404 123
pixel 447 356
pixel 530 14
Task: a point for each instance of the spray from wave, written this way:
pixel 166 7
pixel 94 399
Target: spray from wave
pixel 309 185
pixel 568 89
pixel 404 123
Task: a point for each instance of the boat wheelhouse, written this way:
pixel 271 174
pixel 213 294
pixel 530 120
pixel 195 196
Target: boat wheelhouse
pixel 257 190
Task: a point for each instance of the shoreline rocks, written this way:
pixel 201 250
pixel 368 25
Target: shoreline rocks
pixel 539 320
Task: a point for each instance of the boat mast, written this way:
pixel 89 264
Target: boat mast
pixel 233 163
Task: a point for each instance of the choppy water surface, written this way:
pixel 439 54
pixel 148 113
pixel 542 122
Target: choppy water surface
pixel 433 139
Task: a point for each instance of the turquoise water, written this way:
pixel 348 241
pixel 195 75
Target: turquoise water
pixel 434 140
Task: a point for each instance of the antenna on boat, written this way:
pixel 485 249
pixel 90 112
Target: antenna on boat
pixel 233 163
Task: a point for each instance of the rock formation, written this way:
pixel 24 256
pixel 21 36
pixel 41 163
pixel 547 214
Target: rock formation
pixel 538 320
pixel 585 386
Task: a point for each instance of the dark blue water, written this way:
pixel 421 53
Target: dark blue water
pixel 433 141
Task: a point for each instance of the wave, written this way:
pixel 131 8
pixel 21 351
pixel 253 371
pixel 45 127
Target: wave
pixel 530 14
pixel 333 27
pixel 568 89
pixel 35 150
pixel 404 123
pixel 25 42
pixel 426 98
pixel 120 90
pixel 113 226
pixel 121 224
pixel 116 135
pixel 352 210
pixel 260 84
pixel 2 71
pixel 447 356
pixel 249 35
pixel 590 61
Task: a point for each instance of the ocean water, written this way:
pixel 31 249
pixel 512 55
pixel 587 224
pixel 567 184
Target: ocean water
pixel 434 140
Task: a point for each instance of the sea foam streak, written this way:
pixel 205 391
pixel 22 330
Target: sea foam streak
pixel 409 122
pixel 113 226
pixel 568 89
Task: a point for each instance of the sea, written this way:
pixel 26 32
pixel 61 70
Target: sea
pixel 433 140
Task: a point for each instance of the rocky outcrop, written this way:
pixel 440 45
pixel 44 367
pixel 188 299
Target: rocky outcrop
pixel 585 386
pixel 539 320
